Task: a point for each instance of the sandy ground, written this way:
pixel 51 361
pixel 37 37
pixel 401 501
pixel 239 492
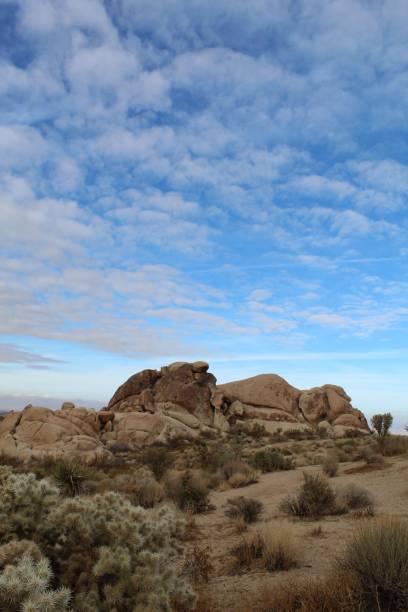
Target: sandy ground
pixel 241 593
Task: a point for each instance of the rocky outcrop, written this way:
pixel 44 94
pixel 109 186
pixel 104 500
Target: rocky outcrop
pixel 179 398
pixel 36 433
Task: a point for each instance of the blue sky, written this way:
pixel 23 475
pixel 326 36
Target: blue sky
pixel 223 180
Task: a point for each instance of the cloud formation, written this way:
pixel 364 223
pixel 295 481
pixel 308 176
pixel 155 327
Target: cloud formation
pixel 181 176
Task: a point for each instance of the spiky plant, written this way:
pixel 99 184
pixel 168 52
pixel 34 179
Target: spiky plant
pixel 70 476
pixel 25 586
pixel 24 503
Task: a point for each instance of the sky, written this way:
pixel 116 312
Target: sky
pixel 221 180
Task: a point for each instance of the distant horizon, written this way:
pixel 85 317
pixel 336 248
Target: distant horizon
pixel 223 181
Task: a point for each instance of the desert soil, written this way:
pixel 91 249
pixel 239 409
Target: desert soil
pixel 242 592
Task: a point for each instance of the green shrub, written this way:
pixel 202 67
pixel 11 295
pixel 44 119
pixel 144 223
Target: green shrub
pixel 330 465
pixel 271 460
pixel 243 507
pixel 158 459
pixel 316 498
pixel 188 491
pixel 377 557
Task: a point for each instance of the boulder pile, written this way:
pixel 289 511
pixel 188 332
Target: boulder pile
pixel 181 398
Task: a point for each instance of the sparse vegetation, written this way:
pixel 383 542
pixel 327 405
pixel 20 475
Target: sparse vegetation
pixel 188 491
pixel 354 497
pixel 244 507
pixel 330 465
pixel 197 565
pixel 316 498
pixel 271 460
pixel 377 559
pixel 158 459
pixel 273 543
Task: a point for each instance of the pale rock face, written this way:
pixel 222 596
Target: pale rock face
pixel 181 398
pixel 268 390
pixel 37 433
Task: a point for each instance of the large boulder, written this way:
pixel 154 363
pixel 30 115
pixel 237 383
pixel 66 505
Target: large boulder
pixel 38 433
pixel 183 391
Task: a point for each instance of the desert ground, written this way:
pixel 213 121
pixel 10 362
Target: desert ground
pixel 243 591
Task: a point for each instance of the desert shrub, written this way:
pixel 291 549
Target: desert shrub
pixel 13 551
pixel 256 431
pixel 273 543
pixel 244 478
pixel 24 503
pixel 377 558
pixel 248 549
pixel 354 497
pixel 280 550
pixel 197 564
pixel 354 433
pixel 188 491
pixel 336 593
pixel 244 507
pixel 148 493
pixel 24 585
pixel 114 555
pixel 158 459
pixel 71 476
pixel 330 465
pixel 119 447
pixel 238 473
pixel 369 455
pixel 300 434
pixel 316 498
pixel 395 445
pixel 270 460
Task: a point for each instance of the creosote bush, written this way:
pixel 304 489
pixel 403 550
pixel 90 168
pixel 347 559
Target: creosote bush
pixel 189 491
pixel 354 497
pixel 148 493
pixel 271 460
pixel 158 459
pixel 316 498
pixel 244 507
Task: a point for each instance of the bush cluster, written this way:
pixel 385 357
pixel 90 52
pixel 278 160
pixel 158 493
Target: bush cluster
pixel 244 508
pixel 271 460
pixel 101 552
pixel 316 498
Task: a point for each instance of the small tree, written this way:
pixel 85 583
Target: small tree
pixel 381 423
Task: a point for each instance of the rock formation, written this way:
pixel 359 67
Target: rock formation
pixel 180 398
